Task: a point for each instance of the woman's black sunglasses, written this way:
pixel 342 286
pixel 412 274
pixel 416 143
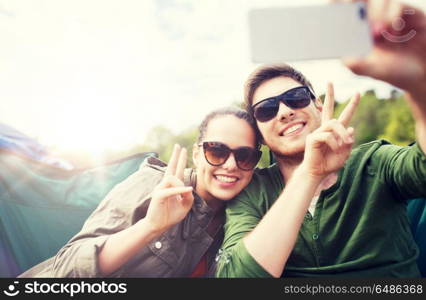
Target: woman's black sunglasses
pixel 217 153
pixel 295 98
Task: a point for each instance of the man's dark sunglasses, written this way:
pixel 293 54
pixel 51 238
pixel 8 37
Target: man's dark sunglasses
pixel 217 153
pixel 298 97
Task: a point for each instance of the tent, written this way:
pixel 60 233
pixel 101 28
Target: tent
pixel 17 142
pixel 43 206
pixel 44 201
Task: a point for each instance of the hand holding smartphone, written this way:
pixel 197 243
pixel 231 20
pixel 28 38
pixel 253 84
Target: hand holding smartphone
pixel 284 34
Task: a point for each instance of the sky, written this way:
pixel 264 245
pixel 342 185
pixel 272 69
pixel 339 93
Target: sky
pixel 99 74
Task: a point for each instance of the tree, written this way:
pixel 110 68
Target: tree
pixel 388 119
pixel 400 128
pixel 369 119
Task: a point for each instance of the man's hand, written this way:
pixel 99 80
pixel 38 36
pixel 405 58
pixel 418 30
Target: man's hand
pixel 399 53
pixel 329 146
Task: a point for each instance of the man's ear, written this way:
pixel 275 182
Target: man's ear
pixel 195 153
pixel 318 104
pixel 259 134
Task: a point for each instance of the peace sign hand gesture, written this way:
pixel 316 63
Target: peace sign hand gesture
pixel 328 147
pixel 171 200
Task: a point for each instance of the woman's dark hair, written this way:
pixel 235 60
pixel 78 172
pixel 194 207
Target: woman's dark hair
pixel 228 111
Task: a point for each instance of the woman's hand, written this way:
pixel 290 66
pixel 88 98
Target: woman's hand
pixel 171 200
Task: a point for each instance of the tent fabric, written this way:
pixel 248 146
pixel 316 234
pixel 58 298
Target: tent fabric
pixel 42 206
pixel 14 140
pixel 417 215
pixel 17 142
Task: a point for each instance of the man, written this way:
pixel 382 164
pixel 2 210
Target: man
pixel 357 223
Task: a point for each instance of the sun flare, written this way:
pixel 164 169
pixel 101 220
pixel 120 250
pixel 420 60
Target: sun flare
pixel 92 128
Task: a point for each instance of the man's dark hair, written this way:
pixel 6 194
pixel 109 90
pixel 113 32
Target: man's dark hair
pixel 267 72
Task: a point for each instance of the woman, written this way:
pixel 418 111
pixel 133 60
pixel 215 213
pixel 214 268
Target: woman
pixel 165 221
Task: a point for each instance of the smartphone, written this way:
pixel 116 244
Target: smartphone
pixel 284 34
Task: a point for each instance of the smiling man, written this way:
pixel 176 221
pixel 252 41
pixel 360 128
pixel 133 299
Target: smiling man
pixel 308 216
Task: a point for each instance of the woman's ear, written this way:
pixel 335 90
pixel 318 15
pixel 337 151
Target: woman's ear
pixel 195 154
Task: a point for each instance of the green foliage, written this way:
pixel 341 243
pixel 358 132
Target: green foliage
pixel 375 118
pixel 400 127
pixel 161 140
pixel 265 160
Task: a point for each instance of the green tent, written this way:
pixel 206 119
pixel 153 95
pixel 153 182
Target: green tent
pixel 43 206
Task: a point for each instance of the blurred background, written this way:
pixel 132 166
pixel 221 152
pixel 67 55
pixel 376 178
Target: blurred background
pixel 98 80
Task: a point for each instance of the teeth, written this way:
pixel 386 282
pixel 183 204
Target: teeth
pixel 293 128
pixel 226 178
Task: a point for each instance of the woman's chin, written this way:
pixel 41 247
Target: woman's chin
pixel 224 195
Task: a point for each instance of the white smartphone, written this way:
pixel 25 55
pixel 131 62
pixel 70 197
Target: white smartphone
pixel 283 34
